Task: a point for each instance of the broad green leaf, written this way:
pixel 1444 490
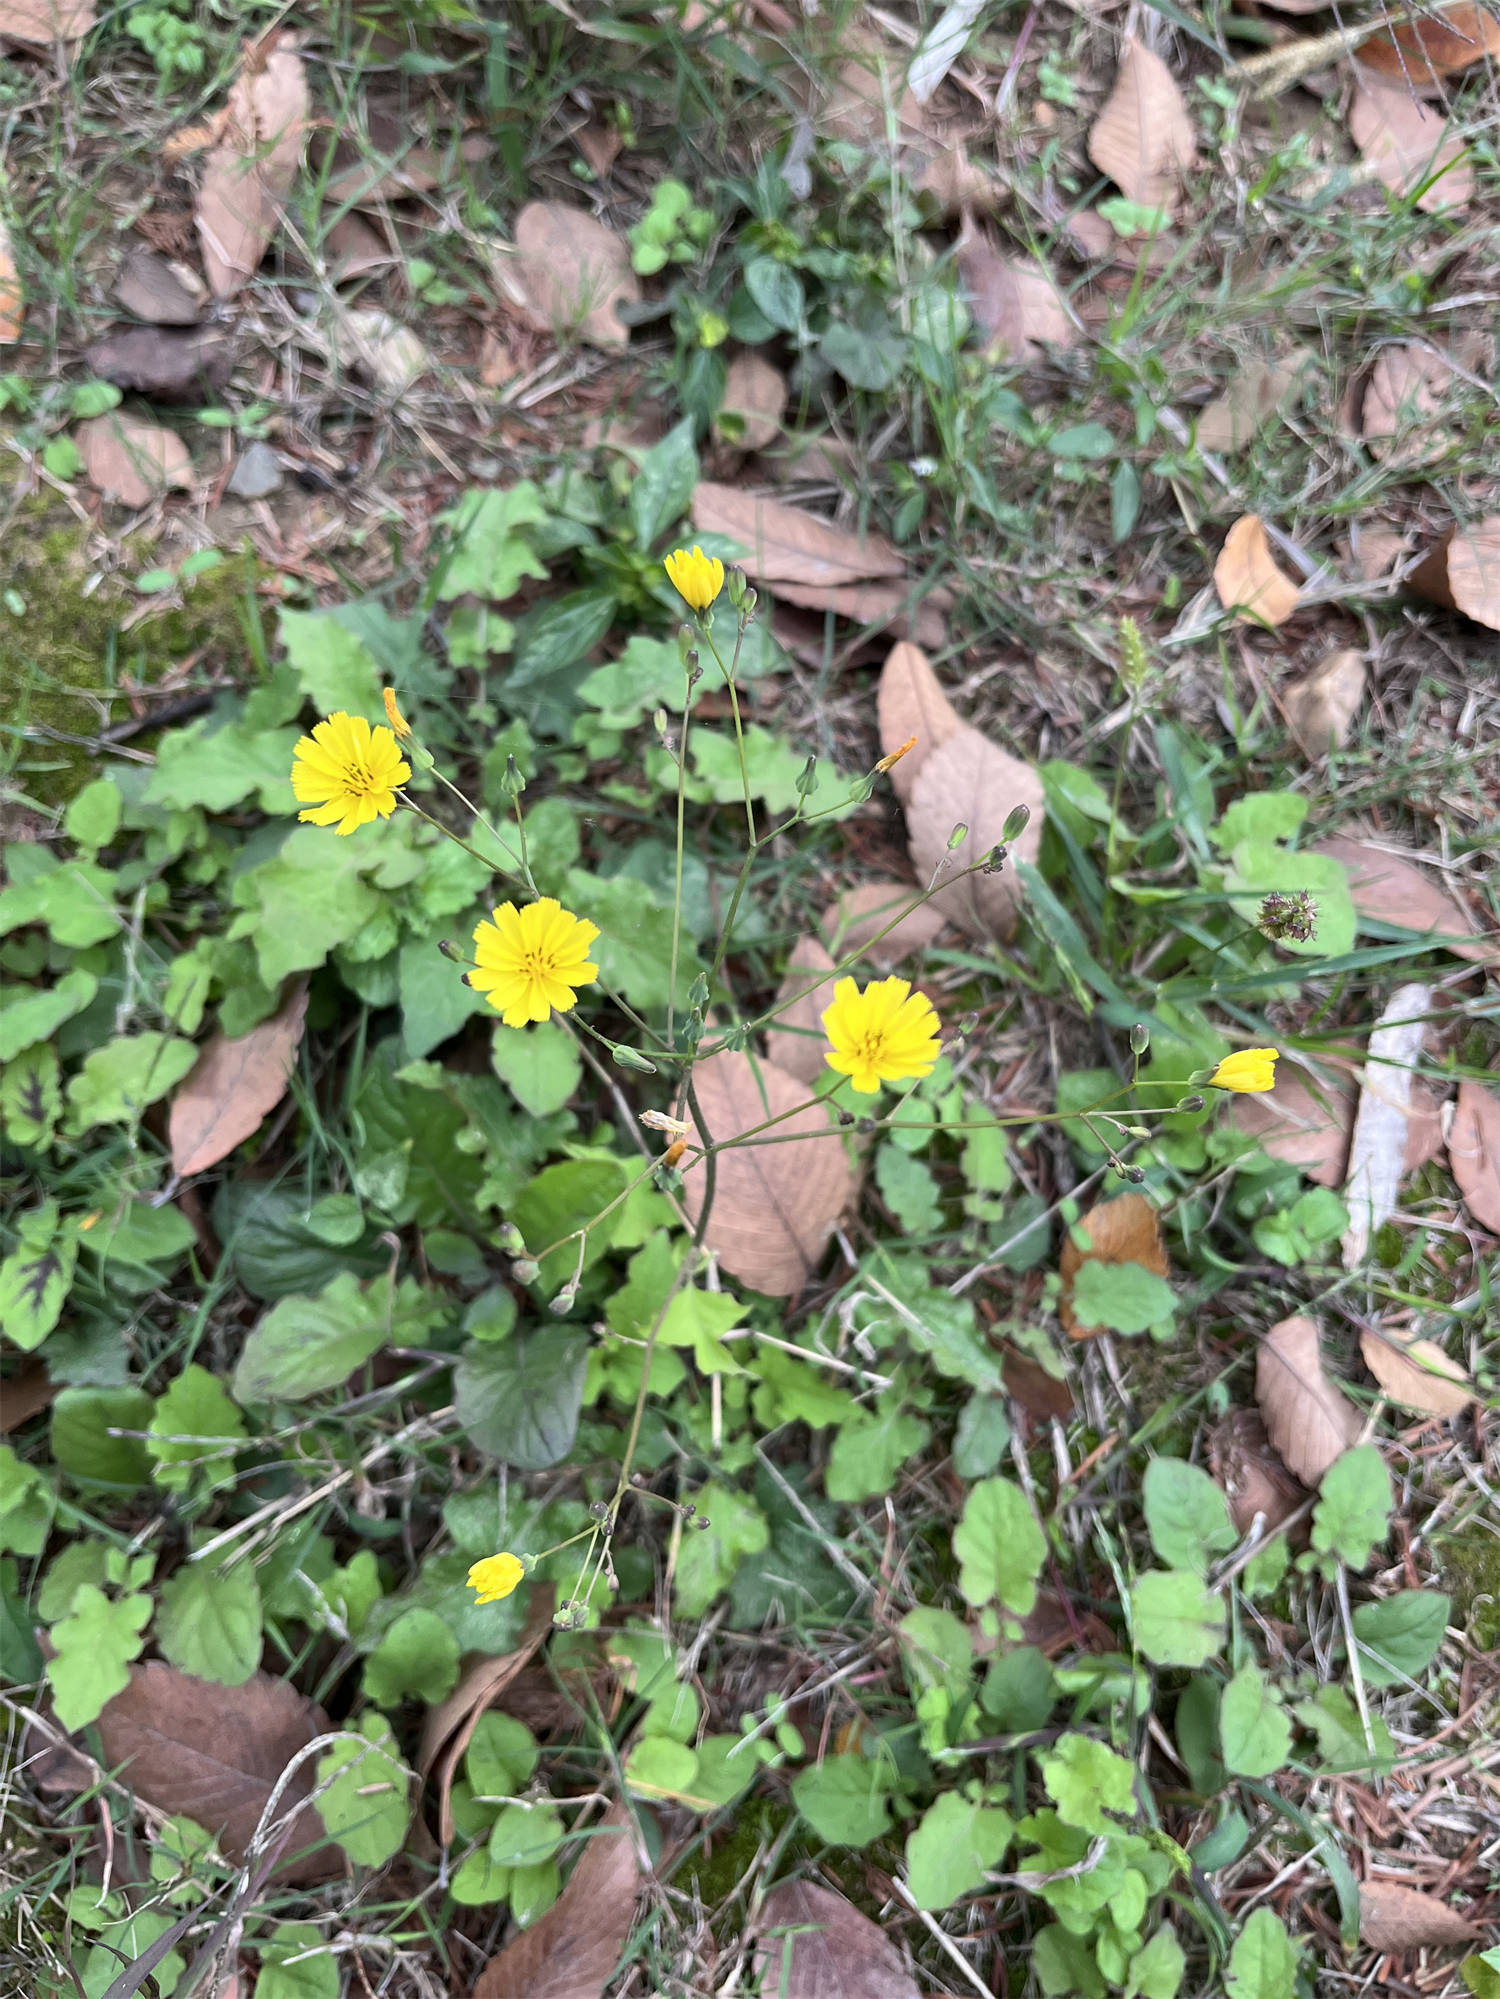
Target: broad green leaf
pixel 501 1756
pixel 776 291
pixel 1261 815
pixel 664 485
pixel 76 1563
pixel 1018 1693
pixel 1156 1968
pixel 94 1645
pixel 982 1437
pixel 533 1890
pixel 435 1002
pixel 709 1554
pixel 1255 1736
pixel 311 898
pixel 910 1191
pixel 193 1422
pixel 209 1623
pixel 845 1799
pixel 1196 1726
pixel 36 1277
pixel 1399 1636
pixel 1085 1779
pixel 93 817
pixel 31 1097
pixel 270 1236
pixel 1481 1974
pixel 1125 1297
pixel 490 555
pixel 27 1503
pixel 29 1014
pixel 478 1881
pixel 333 667
pixel 82 1420
pixel 999 1546
pixel 224 766
pixel 634 949
pixel 648 675
pixel 526 1835
pixel 1263 1962
pixel 519 1401
pixel 1354 1505
pixel 866 347
pixel 119 1080
pixel 1259 868
pixel 871 1448
pixel 936 1648
pixel 1176 1621
pixel 416 1659
pixel 306 1345
pixel 539 1065
pixel 1065 1964
pixel 296 1962
pixel 75 901
pixel 957 1843
pixel 1187 1516
pixel 141 1235
pixel 1343 1747
pixel 699 1320
pixel 574 1194
pixel 660 1767
pixel 362 1792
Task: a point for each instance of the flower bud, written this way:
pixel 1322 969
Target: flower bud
pixel 524 1271
pixel 453 952
pixel 509 1239
pixel 1192 1103
pixel 734 585
pixel 567 1298
pixel 512 783
pixel 1140 1038
pixel 687 648
pixel 807 782
pixel 1016 821
pixel 957 837
pixel 631 1058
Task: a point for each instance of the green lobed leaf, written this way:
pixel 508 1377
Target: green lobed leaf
pixel 30 1098
pixel 1255 1736
pixel 29 1014
pixel 871 1448
pixel 93 1647
pixel 910 1191
pixel 209 1622
pixel 82 1444
pixel 416 1659
pixel 297 1963
pixel 363 1791
pixel 1399 1637
pixel 1175 1619
pixel 1125 1297
pixel 333 667
pixel 1156 1968
pixel 955 1846
pixel 539 1065
pixel 193 1421
pixel 845 1799
pixel 999 1546
pixel 1187 1515
pixel 121 1079
pixel 1085 1779
pixel 1354 1505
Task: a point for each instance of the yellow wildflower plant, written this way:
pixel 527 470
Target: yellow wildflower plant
pixel 885 1034
pixel 1249 1069
pixel 495 1577
pixel 697 578
pixel 347 773
pixel 530 960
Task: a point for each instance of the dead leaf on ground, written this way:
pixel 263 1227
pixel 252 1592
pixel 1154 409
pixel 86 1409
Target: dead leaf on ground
pixel 1308 1418
pixel 1247 577
pixel 785 544
pixel 856 920
pixel 354 248
pixel 1474 1152
pixel 1406 143
pixel 1017 308
pixel 370 183
pixel 12 297
pixel 1124 1230
pixel 248 176
pixel 1376 550
pixel 1417 1374
pixel 890 607
pixel 233 1086
pixel 1039 1393
pixel 969 781
pixel 392 355
pixel 574 1950
pixel 1418 54
pixel 911 703
pixel 815 1945
pixel 1403 397
pixel 130 460
pixel 1462 573
pixel 1321 706
pixel 571 274
pixel 214 1754
pixel 754 400
pixel 1253 1478
pixel 1238 414
pixel 168 364
pixel 1307 1122
pixel 46 21
pixel 25 1395
pixel 449 1727
pixel 1390 889
pixel 775 1203
pixel 1143 137
pixel 1393 1917
pixel 1377 1145
pixel 795 1040
pixel 600 146
pixel 149 287
pixel 954 184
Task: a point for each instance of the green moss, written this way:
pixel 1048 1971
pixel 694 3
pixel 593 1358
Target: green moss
pixel 1471 1570
pixel 67 650
pixel 758 1821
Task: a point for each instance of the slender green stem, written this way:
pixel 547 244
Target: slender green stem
pixel 682 755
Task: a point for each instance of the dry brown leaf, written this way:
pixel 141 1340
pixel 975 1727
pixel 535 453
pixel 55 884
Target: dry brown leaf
pixel 1462 572
pixel 129 460
pixel 353 247
pixel 955 185
pixel 826 1949
pixel 1017 307
pixel 795 1040
pixel 1377 550
pixel 12 297
pixel 1309 1419
pixel 1240 412
pixel 25 1395
pixel 574 1950
pixel 775 1204
pixel 1039 1393
pixel 1254 1480
pixel 755 395
pixel 789 545
pixel 1390 889
pixel 168 364
pixel 572 274
pixel 1247 578
pixel 1474 1152
pixel 600 146
pixel 855 921
pixel 1417 1374
pixel 1406 143
pixel 879 605
pixel 911 703
pixel 1143 138
pixel 1393 1917
pixel 248 176
pixel 392 355
pixel 1418 54
pixel 151 289
pixel 367 182
pixel 216 1753
pixel 1124 1230
pixel 969 781
pixel 449 1727
pixel 1307 1122
pixel 1321 706
pixel 45 21
pixel 1403 396
pixel 232 1086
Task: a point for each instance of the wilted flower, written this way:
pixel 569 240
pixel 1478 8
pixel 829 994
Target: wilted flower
pixel 394 715
pixel 885 1034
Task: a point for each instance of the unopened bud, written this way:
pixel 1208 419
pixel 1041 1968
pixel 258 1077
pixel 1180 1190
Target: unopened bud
pixel 1193 1103
pixel 734 586
pixel 525 1271
pixel 567 1298
pixel 1134 1174
pixel 1016 821
pixel 453 952
pixel 748 603
pixel 861 789
pixel 807 783
pixel 509 1239
pixel 957 837
pixel 993 862
pixel 631 1058
pixel 687 647
pixel 1140 1038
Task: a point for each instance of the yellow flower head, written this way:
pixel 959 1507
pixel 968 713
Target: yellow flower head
pixel 1248 1069
pixel 347 773
pixel 697 578
pixel 496 1576
pixel 394 715
pixel 531 959
pixel 885 1034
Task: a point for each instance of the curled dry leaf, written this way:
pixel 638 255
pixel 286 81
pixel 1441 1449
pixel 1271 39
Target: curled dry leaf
pixel 1405 392
pixel 1247 578
pixel 1419 53
pixel 572 274
pixel 27 1394
pixel 449 1727
pixel 1321 706
pixel 170 365
pixel 1474 1152
pixel 149 287
pixel 911 703
pixel 754 399
pixel 1241 411
pixel 879 605
pixel 1124 1230
pixel 232 1086
pixel 795 1040
pixel 12 297
pixel 1417 1374
pixel 1377 1146
pixel 1039 1393
pixel 129 460
pixel 855 923
pixel 1406 143
pixel 815 1945
pixel 1308 1418
pixel 574 1950
pixel 1307 1122
pixel 353 247
pixel 45 21
pixel 1253 1478
pixel 1394 1917
pixel 1143 138
pixel 248 175
pixel 1387 888
pixel 1462 572
pixel 775 1203
pixel 969 781
pixel 785 544
pixel 1016 306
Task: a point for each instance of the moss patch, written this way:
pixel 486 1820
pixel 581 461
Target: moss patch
pixel 1471 1569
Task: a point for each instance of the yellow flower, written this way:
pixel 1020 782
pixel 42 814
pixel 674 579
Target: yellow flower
pixel 885 1034
pixel 347 773
pixel 887 763
pixel 531 959
pixel 394 715
pixel 1249 1069
pixel 697 578
pixel 496 1576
